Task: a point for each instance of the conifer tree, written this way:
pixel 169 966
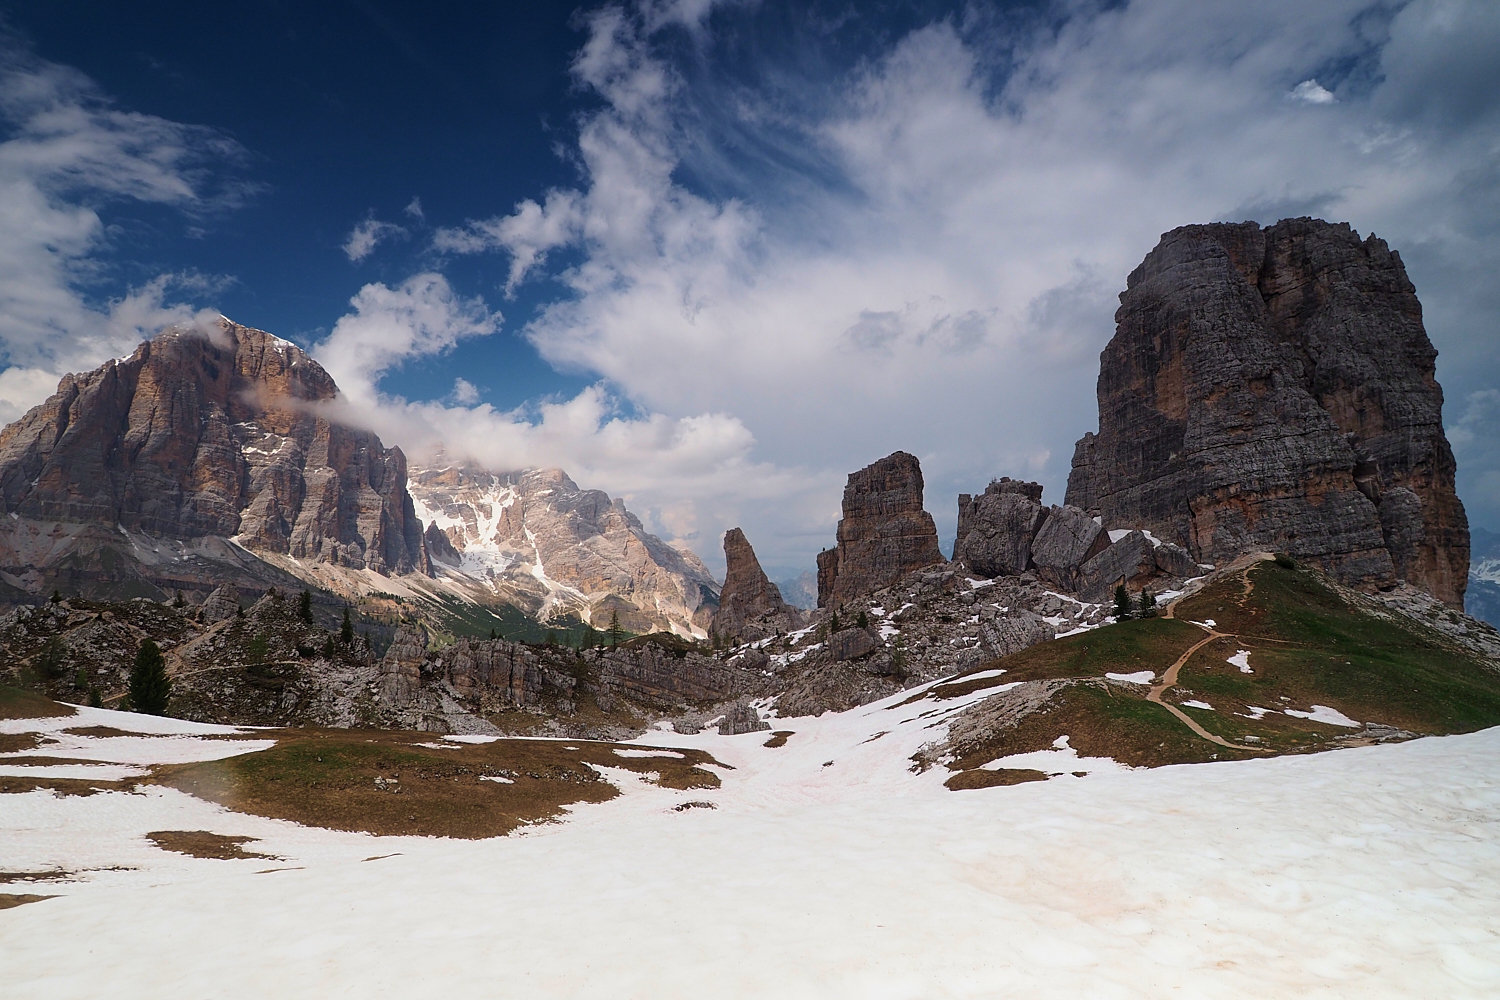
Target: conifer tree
pixel 304 607
pixel 150 687
pixel 346 630
pixel 1122 604
pixel 833 624
pixel 1148 604
pixel 863 621
pixel 614 628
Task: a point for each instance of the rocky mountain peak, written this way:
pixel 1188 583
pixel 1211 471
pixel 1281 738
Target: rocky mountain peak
pixel 1274 389
pixel 750 605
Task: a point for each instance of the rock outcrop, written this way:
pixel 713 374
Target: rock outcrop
pixel 750 605
pixel 1274 389
pixel 214 434
pixel 884 533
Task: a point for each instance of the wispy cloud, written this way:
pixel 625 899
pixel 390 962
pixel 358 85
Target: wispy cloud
pixel 67 152
pixel 368 234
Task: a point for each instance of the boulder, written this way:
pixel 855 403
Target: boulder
pixel 1067 538
pixel 852 643
pixel 995 529
pixel 221 605
pixel 741 717
pixel 1131 561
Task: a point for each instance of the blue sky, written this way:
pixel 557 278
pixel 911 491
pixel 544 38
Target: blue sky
pixel 712 256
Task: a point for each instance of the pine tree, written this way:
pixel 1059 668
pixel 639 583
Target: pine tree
pixel 615 631
pixel 551 637
pixel 328 648
pixel 346 630
pixel 1148 604
pixel 833 624
pixel 304 607
pixel 52 661
pixel 1122 604
pixel 95 699
pixel 57 597
pixel 863 621
pixel 150 687
pixel 179 601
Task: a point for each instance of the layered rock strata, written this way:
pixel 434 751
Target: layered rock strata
pixel 214 434
pixel 883 535
pixel 750 605
pixel 995 529
pixel 1274 389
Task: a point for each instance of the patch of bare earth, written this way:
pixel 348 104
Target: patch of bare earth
pixel 202 844
pixel 8 900
pixel 778 739
pixel 388 783
pixel 981 778
pixel 18 704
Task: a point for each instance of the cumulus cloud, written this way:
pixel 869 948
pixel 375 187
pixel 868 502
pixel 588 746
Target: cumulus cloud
pixel 66 153
pixel 678 473
pixel 367 235
pixel 1313 93
pixel 943 277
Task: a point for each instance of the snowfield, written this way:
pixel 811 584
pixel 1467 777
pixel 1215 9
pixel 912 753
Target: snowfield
pixel 826 869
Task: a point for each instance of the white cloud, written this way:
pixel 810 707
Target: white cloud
pixel 67 153
pixel 465 392
pixel 414 208
pixel 946 287
pixel 367 235
pixel 1313 93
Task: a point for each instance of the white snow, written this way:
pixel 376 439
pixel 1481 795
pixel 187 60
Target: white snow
pixel 1241 659
pixel 470 738
pixel 1194 703
pixel 1139 677
pixel 98 772
pixel 887 632
pixel 980 676
pixel 976 584
pixel 648 753
pixel 497 778
pixel 1326 715
pixel 1207 623
pixel 1357 873
pixel 1256 712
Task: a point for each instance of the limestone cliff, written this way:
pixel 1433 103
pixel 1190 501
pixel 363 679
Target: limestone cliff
pixel 197 437
pixel 1274 389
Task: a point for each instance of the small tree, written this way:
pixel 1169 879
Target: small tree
pixel 179 601
pixel 1122 604
pixel 833 623
pixel 551 637
pixel 1148 604
pixel 52 661
pixel 346 630
pixel 328 648
pixel 95 699
pixel 259 648
pixel 863 621
pixel 150 687
pixel 615 631
pixel 57 597
pixel 304 607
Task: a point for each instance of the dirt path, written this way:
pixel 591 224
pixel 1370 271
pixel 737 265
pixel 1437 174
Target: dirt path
pixel 1169 679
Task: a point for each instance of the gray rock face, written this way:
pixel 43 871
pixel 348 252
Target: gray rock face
pixel 1067 538
pixel 741 718
pixel 204 435
pixel 1274 390
pixel 995 529
pixel 852 643
pixel 884 533
pixel 222 604
pixel 1131 561
pixel 750 605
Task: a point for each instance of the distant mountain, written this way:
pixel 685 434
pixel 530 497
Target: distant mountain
pixel 800 592
pixel 1483 597
pixel 535 540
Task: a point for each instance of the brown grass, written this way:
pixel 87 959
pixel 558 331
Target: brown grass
pixel 328 778
pixel 63 786
pixel 52 876
pixel 8 900
pixel 981 778
pixel 202 844
pixel 778 738
pixel 16 742
pixel 18 704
